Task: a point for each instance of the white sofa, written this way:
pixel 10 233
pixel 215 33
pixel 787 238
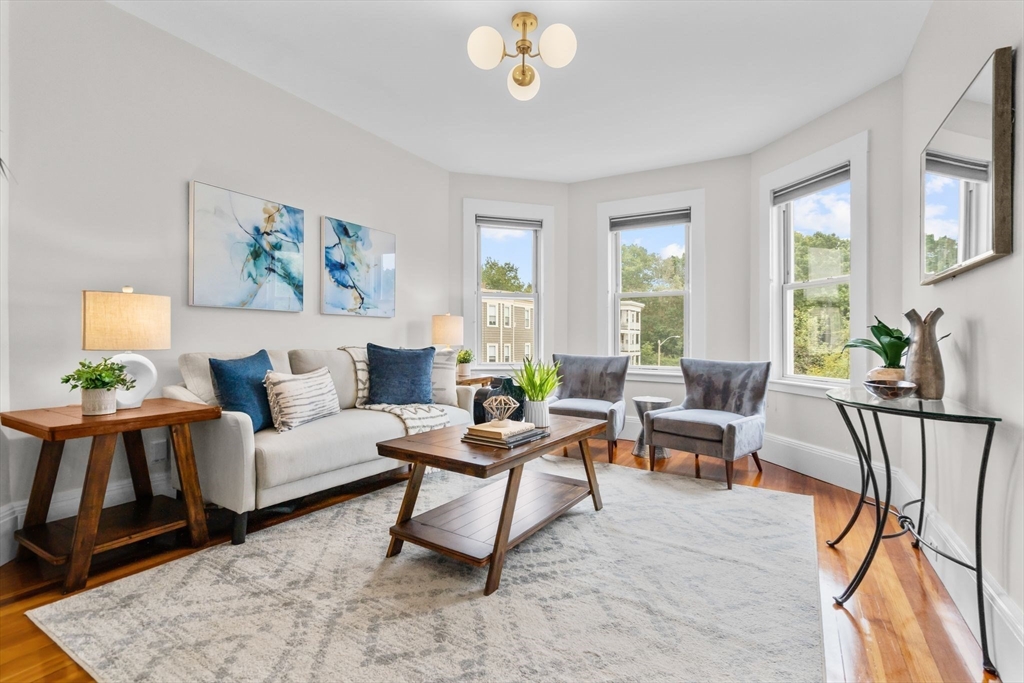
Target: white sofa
pixel 242 471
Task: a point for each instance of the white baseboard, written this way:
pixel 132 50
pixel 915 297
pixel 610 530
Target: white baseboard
pixel 632 428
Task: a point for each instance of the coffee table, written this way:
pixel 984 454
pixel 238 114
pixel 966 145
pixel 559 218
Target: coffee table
pixel 480 527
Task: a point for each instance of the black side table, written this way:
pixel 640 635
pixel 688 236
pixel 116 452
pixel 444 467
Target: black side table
pixel 942 411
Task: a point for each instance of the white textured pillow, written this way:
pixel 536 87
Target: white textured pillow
pixel 298 399
pixel 442 378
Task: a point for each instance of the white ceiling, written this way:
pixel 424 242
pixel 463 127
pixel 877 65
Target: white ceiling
pixel 654 84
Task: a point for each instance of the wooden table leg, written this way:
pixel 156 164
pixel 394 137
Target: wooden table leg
pixel 42 489
pixel 412 492
pixel 93 491
pixel 185 458
pixel 588 465
pixel 137 464
pixel 508 510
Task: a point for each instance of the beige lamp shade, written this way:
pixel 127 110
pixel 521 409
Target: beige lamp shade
pixel 447 329
pixel 122 321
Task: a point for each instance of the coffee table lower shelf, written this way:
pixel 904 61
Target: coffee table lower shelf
pixel 464 529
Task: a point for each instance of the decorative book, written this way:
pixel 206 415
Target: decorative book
pixel 489 430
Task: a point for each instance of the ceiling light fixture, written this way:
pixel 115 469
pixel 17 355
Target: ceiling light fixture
pixel 557 47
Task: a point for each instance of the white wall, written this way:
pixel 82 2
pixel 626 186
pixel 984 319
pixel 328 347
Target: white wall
pixel 113 119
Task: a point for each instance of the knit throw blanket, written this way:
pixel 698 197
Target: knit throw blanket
pixel 417 417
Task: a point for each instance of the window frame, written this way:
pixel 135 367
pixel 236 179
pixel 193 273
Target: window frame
pixel 488 322
pixel 527 350
pixel 506 352
pixel 488 355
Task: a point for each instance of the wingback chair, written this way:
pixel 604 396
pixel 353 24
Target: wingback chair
pixel 722 415
pixel 594 387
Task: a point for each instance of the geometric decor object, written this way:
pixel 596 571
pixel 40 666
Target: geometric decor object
pixel 500 408
pixel 358 274
pixel 244 252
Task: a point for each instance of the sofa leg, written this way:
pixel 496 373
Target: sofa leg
pixel 728 474
pixel 613 451
pixel 238 528
pixel 757 461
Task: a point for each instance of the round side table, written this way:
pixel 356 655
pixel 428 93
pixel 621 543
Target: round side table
pixel 643 405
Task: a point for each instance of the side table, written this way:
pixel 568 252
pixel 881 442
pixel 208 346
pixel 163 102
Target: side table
pixel 73 541
pixel 644 404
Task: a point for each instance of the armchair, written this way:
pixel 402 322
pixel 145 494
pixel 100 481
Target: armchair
pixel 594 387
pixel 723 415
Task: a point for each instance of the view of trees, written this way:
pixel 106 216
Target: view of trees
pixel 939 253
pixel 821 315
pixel 662 317
pixel 503 277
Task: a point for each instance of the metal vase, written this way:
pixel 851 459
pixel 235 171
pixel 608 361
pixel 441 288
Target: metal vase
pixel 924 360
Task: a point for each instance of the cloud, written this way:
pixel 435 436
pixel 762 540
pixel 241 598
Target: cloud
pixel 499 235
pixel 937 183
pixel 672 250
pixel 934 210
pixel 828 213
pixel 942 227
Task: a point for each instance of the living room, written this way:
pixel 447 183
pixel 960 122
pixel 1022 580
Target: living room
pixel 736 268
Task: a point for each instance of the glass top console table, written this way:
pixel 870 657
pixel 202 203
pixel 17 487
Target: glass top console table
pixel 860 400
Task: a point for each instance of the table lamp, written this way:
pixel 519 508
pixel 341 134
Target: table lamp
pixel 118 321
pixel 447 330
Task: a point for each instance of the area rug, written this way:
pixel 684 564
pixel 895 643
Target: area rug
pixel 676 579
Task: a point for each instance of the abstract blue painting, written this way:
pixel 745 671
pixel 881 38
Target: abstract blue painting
pixel 358 270
pixel 244 252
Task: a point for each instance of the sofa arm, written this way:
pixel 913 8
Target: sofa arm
pixel 179 393
pixel 225 453
pixel 649 416
pixel 743 437
pixel 464 396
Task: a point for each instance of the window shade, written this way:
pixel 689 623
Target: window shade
pixel 957 167
pixel 516 223
pixel 649 220
pixel 810 185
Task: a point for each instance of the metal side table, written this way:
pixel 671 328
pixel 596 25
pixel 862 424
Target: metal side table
pixel 643 405
pixel 943 411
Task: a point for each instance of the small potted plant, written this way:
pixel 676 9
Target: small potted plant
pixel 537 380
pixel 465 358
pixel 99 382
pixel 889 343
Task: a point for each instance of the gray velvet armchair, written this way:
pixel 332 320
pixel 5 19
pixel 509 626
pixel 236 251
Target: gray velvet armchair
pixel 594 387
pixel 723 415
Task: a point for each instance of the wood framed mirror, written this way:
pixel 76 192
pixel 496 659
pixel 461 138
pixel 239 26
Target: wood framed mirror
pixel 967 177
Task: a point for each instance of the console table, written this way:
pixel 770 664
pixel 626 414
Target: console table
pixel 74 540
pixel 943 411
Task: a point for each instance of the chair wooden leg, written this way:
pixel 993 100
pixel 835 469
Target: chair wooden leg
pixel 651 452
pixel 757 461
pixel 565 451
pixel 728 474
pixel 613 451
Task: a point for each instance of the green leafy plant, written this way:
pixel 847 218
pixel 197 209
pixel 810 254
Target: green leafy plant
pixel 103 375
pixel 891 344
pixel 465 356
pixel 537 379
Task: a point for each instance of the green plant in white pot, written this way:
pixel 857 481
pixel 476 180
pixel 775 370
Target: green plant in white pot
pixel 464 358
pixel 537 380
pixel 99 382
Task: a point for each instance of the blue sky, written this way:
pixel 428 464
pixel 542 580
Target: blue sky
pixel 827 211
pixel 941 206
pixel 509 245
pixel 665 240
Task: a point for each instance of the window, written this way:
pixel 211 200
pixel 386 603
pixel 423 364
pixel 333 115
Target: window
pixel 527 351
pixel 812 218
pixel 955 210
pixel 506 272
pixel 651 286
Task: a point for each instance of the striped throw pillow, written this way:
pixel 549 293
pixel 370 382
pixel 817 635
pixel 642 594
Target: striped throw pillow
pixel 298 399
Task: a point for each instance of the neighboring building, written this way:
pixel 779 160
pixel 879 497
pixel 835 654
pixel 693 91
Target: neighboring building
pixel 507 333
pixel 629 330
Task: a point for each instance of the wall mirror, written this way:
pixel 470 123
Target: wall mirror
pixel 967 177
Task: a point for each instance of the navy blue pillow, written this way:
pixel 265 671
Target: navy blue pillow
pixel 239 385
pixel 399 376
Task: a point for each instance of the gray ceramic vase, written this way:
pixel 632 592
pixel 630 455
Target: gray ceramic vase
pixel 924 361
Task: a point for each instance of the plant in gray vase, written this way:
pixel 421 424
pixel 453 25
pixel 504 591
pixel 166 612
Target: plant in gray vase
pixel 924 360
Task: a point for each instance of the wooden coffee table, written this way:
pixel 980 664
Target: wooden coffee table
pixel 480 527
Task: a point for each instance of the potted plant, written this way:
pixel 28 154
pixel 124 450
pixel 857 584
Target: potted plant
pixel 464 358
pixel 537 380
pixel 889 343
pixel 98 383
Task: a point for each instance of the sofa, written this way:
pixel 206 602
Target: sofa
pixel 244 471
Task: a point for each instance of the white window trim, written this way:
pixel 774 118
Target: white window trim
pixel 696 327
pixel 488 321
pixel 527 350
pixel 543 322
pixel 488 354
pixel 506 353
pixel 770 310
pixel 507 315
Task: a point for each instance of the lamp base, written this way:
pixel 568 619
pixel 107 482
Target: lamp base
pixel 144 372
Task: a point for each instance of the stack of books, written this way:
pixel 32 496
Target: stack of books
pixel 515 434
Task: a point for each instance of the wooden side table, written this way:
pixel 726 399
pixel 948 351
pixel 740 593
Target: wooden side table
pixel 74 540
pixel 473 380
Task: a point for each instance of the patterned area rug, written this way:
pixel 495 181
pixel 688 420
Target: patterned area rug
pixel 676 579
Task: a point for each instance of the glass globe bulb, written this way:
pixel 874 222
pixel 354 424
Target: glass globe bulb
pixel 486 47
pixel 557 45
pixel 523 93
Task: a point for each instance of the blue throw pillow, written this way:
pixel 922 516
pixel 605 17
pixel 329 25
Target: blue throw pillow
pixel 239 385
pixel 399 376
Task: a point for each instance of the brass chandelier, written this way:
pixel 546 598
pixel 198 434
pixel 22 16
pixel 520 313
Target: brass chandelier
pixel 557 47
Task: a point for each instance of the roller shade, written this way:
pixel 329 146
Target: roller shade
pixel 956 167
pixel 811 184
pixel 516 223
pixel 650 220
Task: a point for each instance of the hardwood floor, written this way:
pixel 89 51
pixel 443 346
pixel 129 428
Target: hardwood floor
pixel 900 626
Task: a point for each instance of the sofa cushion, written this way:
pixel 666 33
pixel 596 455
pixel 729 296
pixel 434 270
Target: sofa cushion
pixel 239 384
pixel 442 377
pixel 195 370
pixel 581 407
pixel 296 400
pixel 708 425
pixel 399 376
pixel 341 365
